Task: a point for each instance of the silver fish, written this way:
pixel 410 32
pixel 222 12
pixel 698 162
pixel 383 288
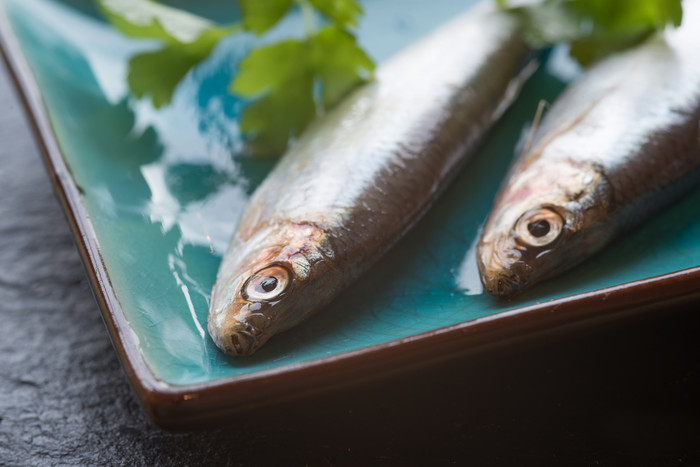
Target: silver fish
pixel 619 145
pixel 362 175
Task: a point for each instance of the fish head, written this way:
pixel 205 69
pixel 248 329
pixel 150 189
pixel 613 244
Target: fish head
pixel 265 282
pixel 548 218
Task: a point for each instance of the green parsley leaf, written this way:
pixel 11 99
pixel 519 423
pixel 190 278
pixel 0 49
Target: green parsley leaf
pixel 587 50
pixel 339 64
pixel 281 78
pixel 149 19
pixel 280 73
pixel 595 28
pixel 157 74
pixel 342 12
pixel 259 16
pixel 288 83
pixel 188 38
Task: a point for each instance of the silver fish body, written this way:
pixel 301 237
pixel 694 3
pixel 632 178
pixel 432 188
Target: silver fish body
pixel 616 147
pixel 361 175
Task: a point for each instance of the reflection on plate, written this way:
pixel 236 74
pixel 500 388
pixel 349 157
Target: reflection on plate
pixel 153 196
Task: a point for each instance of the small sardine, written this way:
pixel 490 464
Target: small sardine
pixel 362 175
pixel 616 147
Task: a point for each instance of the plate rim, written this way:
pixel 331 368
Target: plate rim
pixel 189 406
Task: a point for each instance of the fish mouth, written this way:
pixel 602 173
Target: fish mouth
pixel 238 338
pixel 503 272
pixel 242 340
pixel 241 343
pixel 502 285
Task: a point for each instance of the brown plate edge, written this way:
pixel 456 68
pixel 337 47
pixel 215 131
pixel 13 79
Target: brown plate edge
pixel 191 406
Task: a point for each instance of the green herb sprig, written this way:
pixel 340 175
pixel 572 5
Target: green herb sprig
pixel 187 40
pixel 594 28
pixel 297 79
pixel 288 82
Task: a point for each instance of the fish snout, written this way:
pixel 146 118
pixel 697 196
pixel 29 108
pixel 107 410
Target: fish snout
pixel 503 271
pixel 238 337
pixel 241 338
pixel 241 343
pixel 500 284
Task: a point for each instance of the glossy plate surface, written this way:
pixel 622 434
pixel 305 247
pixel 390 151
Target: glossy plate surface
pixel 153 197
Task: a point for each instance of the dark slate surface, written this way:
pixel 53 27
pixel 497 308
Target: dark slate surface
pixel 625 394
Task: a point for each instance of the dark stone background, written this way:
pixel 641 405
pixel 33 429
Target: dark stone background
pixel 621 394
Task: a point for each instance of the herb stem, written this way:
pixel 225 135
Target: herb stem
pixel 307 14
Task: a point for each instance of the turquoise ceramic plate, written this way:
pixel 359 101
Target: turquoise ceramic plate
pixel 153 197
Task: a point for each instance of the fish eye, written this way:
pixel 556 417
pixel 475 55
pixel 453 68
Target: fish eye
pixel 266 284
pixel 539 227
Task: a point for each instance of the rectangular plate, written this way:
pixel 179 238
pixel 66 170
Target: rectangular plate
pixel 152 196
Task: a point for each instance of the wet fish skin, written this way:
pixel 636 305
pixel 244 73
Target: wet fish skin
pixel 617 147
pixel 362 175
